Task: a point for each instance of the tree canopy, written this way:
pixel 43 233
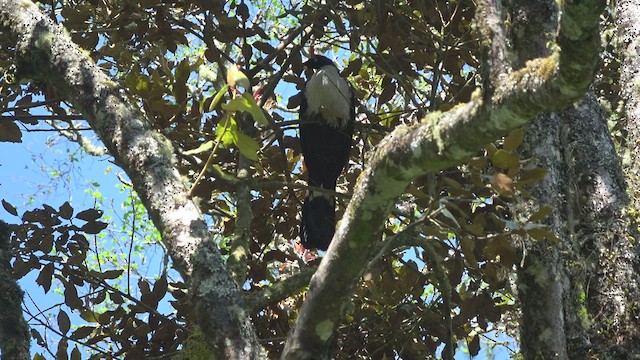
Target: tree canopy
pixel 435 205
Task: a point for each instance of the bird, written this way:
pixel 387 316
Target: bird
pixel 327 117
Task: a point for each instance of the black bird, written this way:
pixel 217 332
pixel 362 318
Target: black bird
pixel 327 115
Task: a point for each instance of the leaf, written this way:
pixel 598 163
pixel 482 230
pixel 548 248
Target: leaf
pixel 226 132
pixel 223 174
pixel 9 208
pixel 61 352
pixel 513 140
pixel 71 296
pixel 541 214
pixel 89 316
pixel 388 90
pixel 89 214
pixel 64 324
pixel 467 245
pixel 45 277
pixel 236 78
pixel 10 132
pixel 264 47
pixel 247 146
pixel 218 97
pixel 532 176
pixel 36 335
pixel 502 184
pixel 94 227
pixel 505 159
pixel 75 354
pixel 65 211
pixel 204 147
pixel 540 234
pixel 247 103
pixel 82 332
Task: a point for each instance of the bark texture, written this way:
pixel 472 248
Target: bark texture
pixel 45 52
pixel 577 296
pixel 14 332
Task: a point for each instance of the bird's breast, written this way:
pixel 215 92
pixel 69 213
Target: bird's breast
pixel 329 96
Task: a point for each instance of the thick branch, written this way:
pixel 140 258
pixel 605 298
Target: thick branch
pixel 44 51
pixel 437 142
pixel 279 291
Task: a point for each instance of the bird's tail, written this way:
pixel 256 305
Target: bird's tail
pixel 318 221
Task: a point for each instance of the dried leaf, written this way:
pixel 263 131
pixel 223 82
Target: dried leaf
pixel 502 184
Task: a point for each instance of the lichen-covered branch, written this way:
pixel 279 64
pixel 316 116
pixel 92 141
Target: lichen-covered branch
pixel 440 140
pixel 45 52
pixel 279 291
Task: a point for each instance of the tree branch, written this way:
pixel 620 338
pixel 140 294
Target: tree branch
pixel 44 51
pixel 438 141
pixel 281 290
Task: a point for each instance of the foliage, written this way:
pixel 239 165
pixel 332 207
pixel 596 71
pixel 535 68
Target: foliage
pixel 451 244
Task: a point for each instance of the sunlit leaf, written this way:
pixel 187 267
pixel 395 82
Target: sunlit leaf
pixel 247 103
pixel 204 147
pixel 247 146
pixel 219 95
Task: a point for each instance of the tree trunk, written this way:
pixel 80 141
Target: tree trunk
pixel 577 295
pixel 14 331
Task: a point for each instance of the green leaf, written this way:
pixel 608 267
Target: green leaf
pixel 541 213
pixel 513 140
pixel 226 132
pixel 218 97
pixel 223 174
pixel 248 146
pixel 532 176
pixel 247 103
pixel 505 159
pixel 204 147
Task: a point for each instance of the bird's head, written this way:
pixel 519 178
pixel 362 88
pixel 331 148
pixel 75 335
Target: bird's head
pixel 317 62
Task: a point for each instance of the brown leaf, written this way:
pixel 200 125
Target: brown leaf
pixel 10 132
pixel 502 184
pixel 65 211
pixel 64 324
pixel 94 227
pixel 45 277
pixel 264 47
pixel 89 214
pixel 82 332
pixel 71 296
